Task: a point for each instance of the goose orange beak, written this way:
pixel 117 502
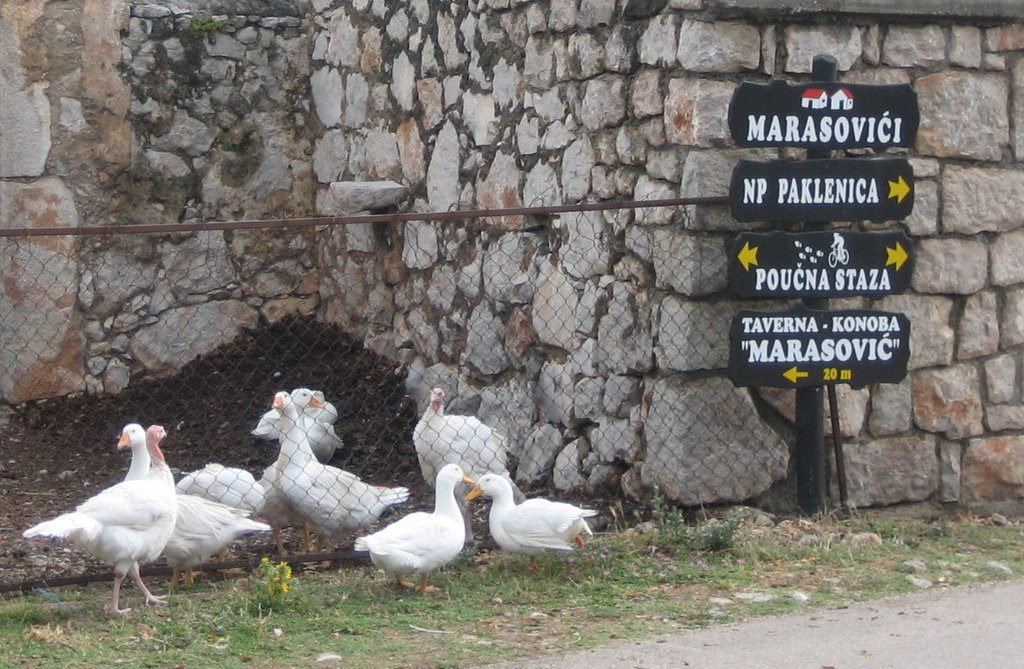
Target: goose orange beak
pixel 475 492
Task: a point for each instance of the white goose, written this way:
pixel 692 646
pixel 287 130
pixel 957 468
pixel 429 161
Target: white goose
pixel 124 524
pixel 317 420
pixel 228 485
pixel 330 500
pixel 440 439
pixel 421 542
pixel 202 527
pixel 536 526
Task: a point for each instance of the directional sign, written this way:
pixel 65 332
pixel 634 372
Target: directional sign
pixel 822 190
pixel 803 347
pixel 820 264
pixel 823 115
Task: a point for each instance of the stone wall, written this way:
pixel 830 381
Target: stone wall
pixel 598 339
pixel 118 113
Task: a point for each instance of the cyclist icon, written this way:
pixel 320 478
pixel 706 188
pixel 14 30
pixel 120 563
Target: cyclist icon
pixel 838 255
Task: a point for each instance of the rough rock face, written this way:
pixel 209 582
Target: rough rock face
pixel 595 339
pixel 148 113
pixel 574 102
pixel 705 444
pixel 41 343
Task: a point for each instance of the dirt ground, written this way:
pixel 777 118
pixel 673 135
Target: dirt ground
pixel 56 453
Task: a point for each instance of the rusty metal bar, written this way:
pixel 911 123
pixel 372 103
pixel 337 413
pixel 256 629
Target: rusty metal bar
pixel 250 563
pixel 313 221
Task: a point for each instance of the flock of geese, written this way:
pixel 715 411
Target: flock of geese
pixel 147 515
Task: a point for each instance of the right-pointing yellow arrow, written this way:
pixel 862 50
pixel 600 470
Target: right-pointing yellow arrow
pixel 899 189
pixel 794 374
pixel 896 256
pixel 748 255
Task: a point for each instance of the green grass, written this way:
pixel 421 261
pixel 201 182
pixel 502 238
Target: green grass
pixel 491 606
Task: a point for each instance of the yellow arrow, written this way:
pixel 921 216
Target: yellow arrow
pixel 896 256
pixel 748 255
pixel 898 189
pixel 794 374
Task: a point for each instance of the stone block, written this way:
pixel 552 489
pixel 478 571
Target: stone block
pixel 657 44
pixel 963 115
pixel 924 219
pixel 485 336
pixel 980 199
pixel 1003 417
pixel 543 445
pixel 696 112
pixel 1001 378
pixel 185 333
pixel 965 46
pixel 914 46
pixel 804 42
pixel 948 401
pixel 687 264
pixel 719 46
pixel 852 406
pixel 1007 257
pixel 950 266
pixel 693 335
pixel 345 198
pixel 890 471
pixel 500 190
pixel 1011 325
pixel 891 408
pixel 604 102
pixel 566 474
pixel 931 337
pixel 707 445
pixel 41 346
pixel 979 326
pixel 993 469
pixel 24 114
pixel 950 470
pixel 616 440
pixel 443 170
pixel 625 343
pixel 554 309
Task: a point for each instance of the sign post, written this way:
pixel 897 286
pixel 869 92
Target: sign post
pixel 822 190
pixel 802 348
pixel 808 347
pixel 837 263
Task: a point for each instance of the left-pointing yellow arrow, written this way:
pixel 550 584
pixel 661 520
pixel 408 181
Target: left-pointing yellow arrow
pixel 899 189
pixel 794 374
pixel 748 255
pixel 896 256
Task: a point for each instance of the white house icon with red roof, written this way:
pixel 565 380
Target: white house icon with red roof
pixel 818 98
pixel 814 98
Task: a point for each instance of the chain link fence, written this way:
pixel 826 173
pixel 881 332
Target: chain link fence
pixel 502 355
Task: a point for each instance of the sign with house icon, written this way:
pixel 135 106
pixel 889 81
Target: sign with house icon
pixel 819 98
pixel 825 116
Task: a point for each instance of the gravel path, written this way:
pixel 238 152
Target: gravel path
pixel 953 628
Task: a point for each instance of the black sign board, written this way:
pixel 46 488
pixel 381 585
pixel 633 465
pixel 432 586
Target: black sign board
pixel 804 347
pixel 836 263
pixel 822 190
pixel 823 115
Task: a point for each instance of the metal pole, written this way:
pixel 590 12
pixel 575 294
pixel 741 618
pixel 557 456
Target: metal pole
pixel 837 447
pixel 810 409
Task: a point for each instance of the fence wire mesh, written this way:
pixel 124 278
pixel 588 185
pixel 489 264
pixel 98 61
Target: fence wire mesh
pixel 219 337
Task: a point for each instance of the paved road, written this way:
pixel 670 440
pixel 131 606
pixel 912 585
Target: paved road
pixel 958 628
